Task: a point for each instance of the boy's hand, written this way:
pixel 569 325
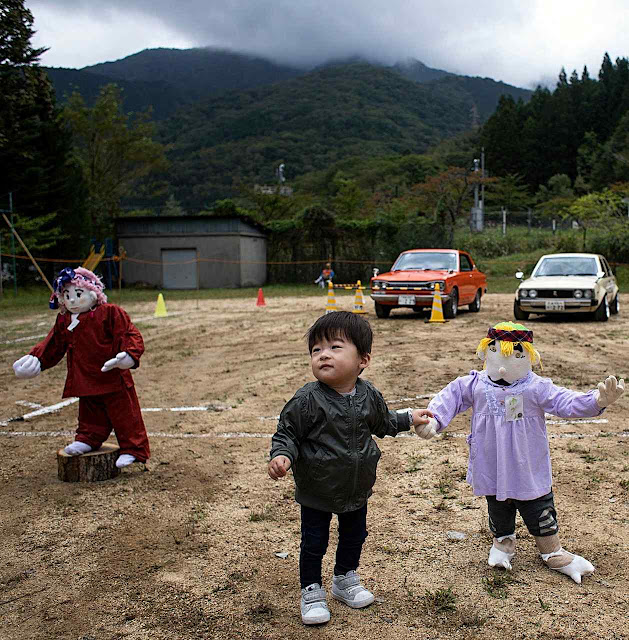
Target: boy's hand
pixel 424 427
pixel 278 467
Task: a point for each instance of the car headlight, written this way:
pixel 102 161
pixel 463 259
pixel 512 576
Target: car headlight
pixel 588 293
pixel 578 293
pixel 441 283
pixel 524 293
pixel 532 293
pixel 383 285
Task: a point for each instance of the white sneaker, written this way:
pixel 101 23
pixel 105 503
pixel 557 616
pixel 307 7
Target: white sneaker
pixel 314 607
pixel 348 589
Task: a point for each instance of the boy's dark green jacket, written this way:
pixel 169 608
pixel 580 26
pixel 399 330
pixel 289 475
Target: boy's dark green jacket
pixel 327 438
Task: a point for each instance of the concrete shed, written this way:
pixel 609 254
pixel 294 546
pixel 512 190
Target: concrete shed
pixel 162 251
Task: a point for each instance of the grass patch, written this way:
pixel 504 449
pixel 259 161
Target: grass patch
pixel 440 600
pixel 497 584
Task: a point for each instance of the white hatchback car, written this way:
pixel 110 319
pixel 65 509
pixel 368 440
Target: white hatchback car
pixel 568 283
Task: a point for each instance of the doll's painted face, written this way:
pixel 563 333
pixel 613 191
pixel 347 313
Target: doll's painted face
pixel 507 368
pixel 78 300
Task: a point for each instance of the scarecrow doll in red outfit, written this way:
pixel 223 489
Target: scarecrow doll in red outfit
pixel 101 344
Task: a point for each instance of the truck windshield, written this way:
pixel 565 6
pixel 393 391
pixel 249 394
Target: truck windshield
pixel 566 266
pixel 436 261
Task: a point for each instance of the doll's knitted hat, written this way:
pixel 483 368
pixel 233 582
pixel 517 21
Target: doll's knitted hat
pixel 509 334
pixel 79 277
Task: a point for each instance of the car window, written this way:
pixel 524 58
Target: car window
pixel 606 268
pixel 425 261
pixel 466 265
pixel 566 266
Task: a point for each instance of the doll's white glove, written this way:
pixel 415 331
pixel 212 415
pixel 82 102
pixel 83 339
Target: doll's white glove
pixel 27 367
pixel 122 361
pixel 427 431
pixel 609 391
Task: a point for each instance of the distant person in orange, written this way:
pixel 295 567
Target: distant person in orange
pixel 327 273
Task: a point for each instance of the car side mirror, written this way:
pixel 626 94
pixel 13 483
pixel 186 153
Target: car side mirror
pixel 376 271
pixel 519 275
pixel 600 274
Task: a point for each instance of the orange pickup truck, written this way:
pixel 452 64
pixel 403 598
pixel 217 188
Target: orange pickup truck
pixel 411 282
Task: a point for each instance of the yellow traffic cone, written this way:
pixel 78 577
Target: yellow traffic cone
pixel 331 304
pixel 359 301
pixel 436 314
pixel 160 307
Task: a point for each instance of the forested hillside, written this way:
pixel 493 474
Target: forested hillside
pixel 168 78
pixel 307 123
pixel 580 130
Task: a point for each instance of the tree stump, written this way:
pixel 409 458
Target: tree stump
pixel 92 466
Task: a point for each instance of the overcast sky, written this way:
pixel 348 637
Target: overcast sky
pixel 522 42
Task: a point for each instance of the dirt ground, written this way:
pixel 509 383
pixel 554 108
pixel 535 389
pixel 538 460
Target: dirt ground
pixel 187 546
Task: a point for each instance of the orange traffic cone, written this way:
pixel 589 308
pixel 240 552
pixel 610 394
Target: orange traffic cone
pixel 359 301
pixel 436 314
pixel 260 301
pixel 331 302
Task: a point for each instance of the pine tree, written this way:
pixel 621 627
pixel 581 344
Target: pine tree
pixel 34 149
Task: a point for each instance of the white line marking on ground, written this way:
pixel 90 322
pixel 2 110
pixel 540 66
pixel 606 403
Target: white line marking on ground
pixel 241 434
pixel 24 339
pixel 30 405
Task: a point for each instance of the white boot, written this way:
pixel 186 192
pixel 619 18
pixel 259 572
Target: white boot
pixel 125 460
pixel 576 569
pixel 558 559
pixel 77 448
pixel 502 551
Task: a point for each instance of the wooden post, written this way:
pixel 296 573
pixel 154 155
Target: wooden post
pixel 93 466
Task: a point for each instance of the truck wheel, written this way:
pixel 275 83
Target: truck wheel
pixel 382 311
pixel 615 308
pixel 603 312
pixel 518 313
pixel 475 306
pixel 451 307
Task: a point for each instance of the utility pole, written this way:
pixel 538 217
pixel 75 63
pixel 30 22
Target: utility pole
pixel 477 213
pixel 13 245
pixel 10 212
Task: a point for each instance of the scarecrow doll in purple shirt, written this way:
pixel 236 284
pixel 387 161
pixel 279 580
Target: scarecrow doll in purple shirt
pixel 509 456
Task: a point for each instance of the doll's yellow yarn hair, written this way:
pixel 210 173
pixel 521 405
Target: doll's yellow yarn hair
pixel 512 332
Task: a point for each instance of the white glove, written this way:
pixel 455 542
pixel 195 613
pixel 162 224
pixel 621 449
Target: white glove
pixel 427 431
pixel 122 361
pixel 608 392
pixel 27 367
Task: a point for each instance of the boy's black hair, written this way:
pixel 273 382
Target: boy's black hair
pixel 350 325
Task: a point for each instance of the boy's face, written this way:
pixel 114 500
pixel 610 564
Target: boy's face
pixel 337 363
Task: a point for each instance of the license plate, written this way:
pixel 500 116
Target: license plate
pixel 555 305
pixel 409 300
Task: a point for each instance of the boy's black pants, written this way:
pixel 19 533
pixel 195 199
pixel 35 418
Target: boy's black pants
pixel 315 533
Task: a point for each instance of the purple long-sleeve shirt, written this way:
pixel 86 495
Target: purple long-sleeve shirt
pixel 509 458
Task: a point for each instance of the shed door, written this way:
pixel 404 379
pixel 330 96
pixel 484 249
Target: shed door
pixel 179 268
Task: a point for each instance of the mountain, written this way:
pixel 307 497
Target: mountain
pixel 163 98
pixel 169 78
pixel 308 122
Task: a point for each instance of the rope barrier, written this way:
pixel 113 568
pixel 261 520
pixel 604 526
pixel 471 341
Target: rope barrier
pixel 226 261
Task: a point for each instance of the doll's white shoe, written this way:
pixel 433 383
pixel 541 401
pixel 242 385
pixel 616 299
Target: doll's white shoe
pixel 125 460
pixel 576 569
pixel 500 557
pixel 77 448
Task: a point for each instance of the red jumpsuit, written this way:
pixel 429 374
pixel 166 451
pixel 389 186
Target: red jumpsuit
pixel 106 400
